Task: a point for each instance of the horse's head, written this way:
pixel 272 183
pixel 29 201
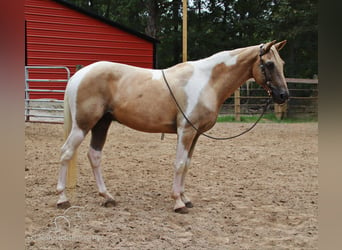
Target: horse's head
pixel 268 71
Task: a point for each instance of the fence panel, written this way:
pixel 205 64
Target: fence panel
pixel 250 98
pixel 304 98
pixel 50 107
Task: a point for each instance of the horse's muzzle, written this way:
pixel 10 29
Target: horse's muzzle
pixel 280 96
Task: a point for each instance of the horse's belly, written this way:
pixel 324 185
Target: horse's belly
pixel 144 105
pixel 151 119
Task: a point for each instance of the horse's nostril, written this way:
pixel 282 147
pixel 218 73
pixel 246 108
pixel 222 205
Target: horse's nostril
pixel 284 96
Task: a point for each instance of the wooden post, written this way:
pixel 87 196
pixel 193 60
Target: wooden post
pixel 237 104
pixel 184 38
pixel 277 111
pixel 280 110
pixel 185 30
pixel 78 67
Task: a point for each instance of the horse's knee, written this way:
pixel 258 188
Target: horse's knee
pixel 180 167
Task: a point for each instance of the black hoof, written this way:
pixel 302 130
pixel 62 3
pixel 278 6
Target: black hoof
pixel 182 210
pixel 109 203
pixel 64 205
pixel 189 204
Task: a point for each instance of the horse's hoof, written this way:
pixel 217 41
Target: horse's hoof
pixel 182 210
pixel 109 203
pixel 64 205
pixel 189 204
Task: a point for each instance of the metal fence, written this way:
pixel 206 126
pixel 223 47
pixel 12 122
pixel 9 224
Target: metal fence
pixel 43 109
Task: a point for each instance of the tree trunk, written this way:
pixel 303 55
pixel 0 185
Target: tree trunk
pixel 109 3
pixel 176 5
pixel 153 13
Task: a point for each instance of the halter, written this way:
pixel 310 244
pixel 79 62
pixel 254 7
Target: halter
pixel 265 84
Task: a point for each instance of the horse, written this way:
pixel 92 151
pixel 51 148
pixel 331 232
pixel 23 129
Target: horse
pixel 139 98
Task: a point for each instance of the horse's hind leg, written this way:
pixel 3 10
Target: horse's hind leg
pixel 74 139
pixel 98 138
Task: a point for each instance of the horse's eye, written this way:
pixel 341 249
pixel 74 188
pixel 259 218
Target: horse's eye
pixel 270 65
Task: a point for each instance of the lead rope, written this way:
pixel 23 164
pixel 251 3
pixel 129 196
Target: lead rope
pixel 206 135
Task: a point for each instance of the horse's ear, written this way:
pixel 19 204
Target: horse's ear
pixel 280 45
pixel 267 46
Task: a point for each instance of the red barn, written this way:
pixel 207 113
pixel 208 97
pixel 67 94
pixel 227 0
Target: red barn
pixel 61 34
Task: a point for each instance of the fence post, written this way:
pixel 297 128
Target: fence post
pixel 280 110
pixel 27 96
pixel 78 67
pixel 237 104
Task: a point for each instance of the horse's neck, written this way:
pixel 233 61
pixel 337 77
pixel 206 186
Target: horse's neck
pixel 226 71
pixel 206 65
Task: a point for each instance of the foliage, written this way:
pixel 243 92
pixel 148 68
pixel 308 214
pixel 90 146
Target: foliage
pixel 215 25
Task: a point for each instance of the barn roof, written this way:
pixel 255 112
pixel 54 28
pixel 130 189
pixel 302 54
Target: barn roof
pixel 107 21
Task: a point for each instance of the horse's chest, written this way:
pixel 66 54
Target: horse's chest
pixel 199 97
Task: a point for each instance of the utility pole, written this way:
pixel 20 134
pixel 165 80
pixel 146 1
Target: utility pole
pixel 185 30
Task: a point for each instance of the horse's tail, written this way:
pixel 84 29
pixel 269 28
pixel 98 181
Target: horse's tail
pixel 72 167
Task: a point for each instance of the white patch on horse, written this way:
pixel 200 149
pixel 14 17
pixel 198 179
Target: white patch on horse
pixel 156 74
pixel 95 160
pixel 200 78
pixel 181 153
pixel 73 86
pixel 221 57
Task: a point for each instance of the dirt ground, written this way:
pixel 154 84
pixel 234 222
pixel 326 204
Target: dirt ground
pixel 259 191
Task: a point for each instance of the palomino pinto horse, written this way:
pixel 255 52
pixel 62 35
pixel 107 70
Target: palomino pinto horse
pixel 140 99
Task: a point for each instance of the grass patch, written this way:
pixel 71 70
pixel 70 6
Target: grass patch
pixel 266 118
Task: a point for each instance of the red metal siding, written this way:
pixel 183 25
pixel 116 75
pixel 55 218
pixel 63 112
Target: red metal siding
pixel 58 35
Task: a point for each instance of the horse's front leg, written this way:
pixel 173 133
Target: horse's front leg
pixel 183 155
pixel 185 198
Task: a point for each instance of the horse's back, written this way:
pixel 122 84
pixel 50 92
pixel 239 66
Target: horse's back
pixel 134 96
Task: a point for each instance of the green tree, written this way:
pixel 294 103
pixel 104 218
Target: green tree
pixel 215 25
pixel 296 21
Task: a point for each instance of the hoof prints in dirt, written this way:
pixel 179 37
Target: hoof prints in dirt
pixel 254 192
